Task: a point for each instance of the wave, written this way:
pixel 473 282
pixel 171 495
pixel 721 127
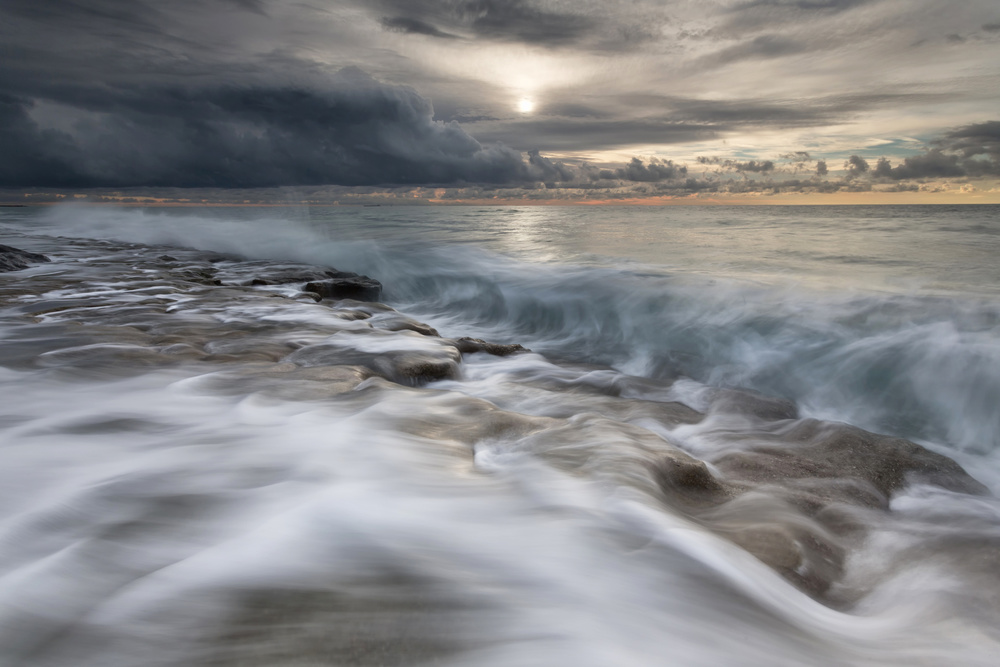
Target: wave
pixel 922 366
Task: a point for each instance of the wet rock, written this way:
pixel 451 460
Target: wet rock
pixel 815 449
pixel 15 259
pixel 402 366
pixel 296 274
pixel 361 288
pixel 689 481
pixel 420 368
pixel 802 556
pixel 202 276
pixel 398 322
pixel 167 258
pixel 395 620
pixel 468 345
pixel 312 295
pixel 752 404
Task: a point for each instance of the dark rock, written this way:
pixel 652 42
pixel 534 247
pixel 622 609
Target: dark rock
pixel 361 288
pixel 167 258
pixel 215 258
pixel 14 259
pixel 297 274
pixel 468 345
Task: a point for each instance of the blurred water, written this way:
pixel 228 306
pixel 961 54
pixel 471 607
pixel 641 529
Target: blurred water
pixel 176 491
pixel 886 317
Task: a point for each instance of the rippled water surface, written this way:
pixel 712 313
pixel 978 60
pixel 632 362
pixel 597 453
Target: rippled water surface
pixel 699 461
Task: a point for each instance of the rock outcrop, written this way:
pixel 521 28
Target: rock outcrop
pixel 15 259
pixel 347 286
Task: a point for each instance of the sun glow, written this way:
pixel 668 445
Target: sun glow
pixel 525 105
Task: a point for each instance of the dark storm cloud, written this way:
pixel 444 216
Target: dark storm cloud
pixel 544 169
pixel 354 131
pixel 29 156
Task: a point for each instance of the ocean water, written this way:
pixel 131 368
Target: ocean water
pixel 700 460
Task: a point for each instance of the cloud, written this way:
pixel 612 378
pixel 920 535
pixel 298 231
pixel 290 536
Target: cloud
pixel 761 166
pixel 413 27
pixel 544 169
pixel 504 20
pixel 970 151
pixel 932 164
pixel 974 140
pixel 545 23
pixel 759 48
pixel 855 166
pixel 654 172
pixel 353 131
pixel 827 5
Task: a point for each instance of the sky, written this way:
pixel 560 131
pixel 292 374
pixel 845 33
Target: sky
pixel 545 101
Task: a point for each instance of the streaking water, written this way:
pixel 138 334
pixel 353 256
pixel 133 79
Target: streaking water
pixel 186 482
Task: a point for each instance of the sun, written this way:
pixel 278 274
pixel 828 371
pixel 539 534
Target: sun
pixel 525 105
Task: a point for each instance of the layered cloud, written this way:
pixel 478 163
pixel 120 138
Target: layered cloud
pixel 628 96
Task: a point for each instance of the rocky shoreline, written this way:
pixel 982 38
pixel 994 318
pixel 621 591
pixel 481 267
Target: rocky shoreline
pixel 795 493
pixel 801 496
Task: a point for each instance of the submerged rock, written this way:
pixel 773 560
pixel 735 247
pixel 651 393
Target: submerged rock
pixel 348 286
pixel 15 259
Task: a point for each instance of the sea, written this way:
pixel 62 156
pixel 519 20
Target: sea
pixel 757 435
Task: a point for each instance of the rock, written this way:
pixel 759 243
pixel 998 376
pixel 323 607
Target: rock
pixel 15 259
pixel 825 450
pixel 752 404
pixel 468 345
pixel 297 274
pixel 361 288
pixel 414 369
pixel 409 367
pixel 200 276
pixel 167 258
pixel 688 481
pixel 394 321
